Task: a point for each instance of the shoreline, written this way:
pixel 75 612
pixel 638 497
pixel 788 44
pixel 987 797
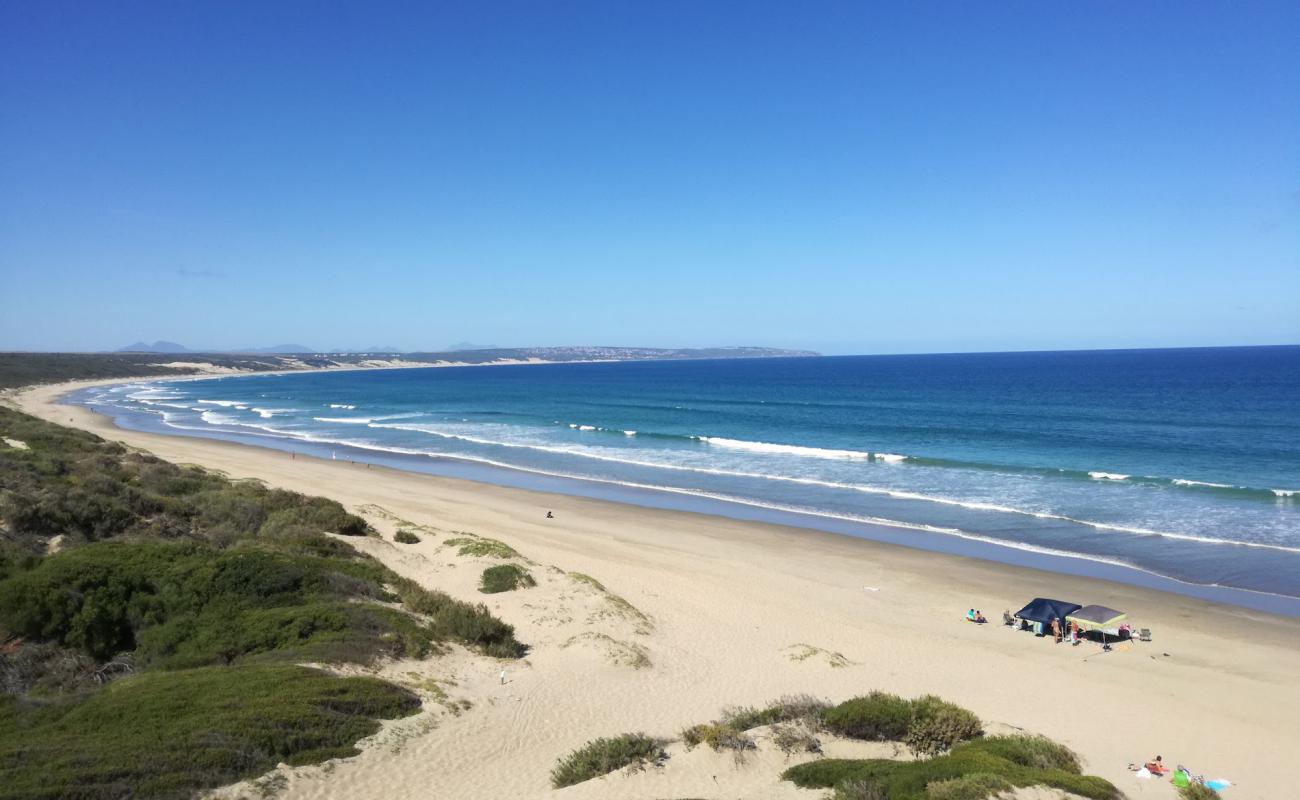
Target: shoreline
pixel 1215 690
pixel 926 538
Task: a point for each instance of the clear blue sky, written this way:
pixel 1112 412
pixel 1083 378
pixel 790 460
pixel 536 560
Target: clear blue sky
pixel 850 177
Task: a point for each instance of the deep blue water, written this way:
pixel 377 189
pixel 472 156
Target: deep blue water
pixel 1181 463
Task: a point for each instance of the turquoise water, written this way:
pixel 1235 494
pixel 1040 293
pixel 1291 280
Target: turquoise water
pixel 1176 463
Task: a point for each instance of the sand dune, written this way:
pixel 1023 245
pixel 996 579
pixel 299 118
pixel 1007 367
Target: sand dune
pixel 651 620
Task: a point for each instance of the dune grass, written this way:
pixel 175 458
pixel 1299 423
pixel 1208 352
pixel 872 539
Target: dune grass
pixel 406 537
pixel 730 732
pixel 481 547
pixel 505 578
pixel 603 756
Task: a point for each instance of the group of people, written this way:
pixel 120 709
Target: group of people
pixel 976 616
pixel 1182 776
pixel 1060 633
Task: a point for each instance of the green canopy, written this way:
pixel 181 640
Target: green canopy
pixel 1096 617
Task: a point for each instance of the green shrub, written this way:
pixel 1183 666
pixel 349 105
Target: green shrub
pixel 173 734
pixel 937 725
pixel 471 625
pixel 185 604
pixel 827 773
pixel 876 717
pixel 406 537
pixel 1035 752
pixel 603 756
pixel 973 786
pixel 1197 791
pixel 1003 757
pixel 505 578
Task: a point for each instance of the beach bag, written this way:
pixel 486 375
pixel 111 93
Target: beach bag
pixel 1181 780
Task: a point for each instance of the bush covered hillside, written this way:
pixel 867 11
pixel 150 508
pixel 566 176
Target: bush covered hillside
pixel 152 615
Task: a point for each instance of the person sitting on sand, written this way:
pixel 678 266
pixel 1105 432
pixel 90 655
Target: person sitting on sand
pixel 1156 766
pixel 979 617
pixel 970 615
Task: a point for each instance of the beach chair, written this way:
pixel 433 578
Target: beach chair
pixel 1008 620
pixel 1144 635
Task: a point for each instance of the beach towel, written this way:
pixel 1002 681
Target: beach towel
pixel 1219 784
pixel 1181 780
pixel 1143 773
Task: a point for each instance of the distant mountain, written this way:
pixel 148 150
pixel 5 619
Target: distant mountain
pixel 157 347
pixel 460 347
pixel 279 348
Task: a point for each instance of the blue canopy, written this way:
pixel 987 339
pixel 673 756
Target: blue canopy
pixel 1042 609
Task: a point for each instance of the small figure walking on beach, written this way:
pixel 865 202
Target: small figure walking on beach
pixel 549 515
pixel 503 677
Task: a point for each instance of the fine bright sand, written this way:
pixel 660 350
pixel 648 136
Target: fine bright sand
pixel 698 613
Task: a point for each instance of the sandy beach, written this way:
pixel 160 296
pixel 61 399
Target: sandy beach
pixel 720 613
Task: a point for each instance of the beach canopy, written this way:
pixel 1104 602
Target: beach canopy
pixel 1044 610
pixel 1097 617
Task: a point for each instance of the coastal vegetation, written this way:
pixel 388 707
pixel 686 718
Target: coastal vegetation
pixel 168 734
pixel 505 578
pixel 797 719
pixel 953 759
pixel 406 537
pixel 154 615
pixel 973 770
pixel 927 725
pixel 21 369
pixel 481 547
pixel 603 756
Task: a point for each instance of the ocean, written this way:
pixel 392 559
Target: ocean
pixel 1173 468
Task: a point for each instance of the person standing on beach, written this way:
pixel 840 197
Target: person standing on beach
pixel 1056 629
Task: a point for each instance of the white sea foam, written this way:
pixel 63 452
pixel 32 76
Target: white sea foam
pixel 1286 492
pixel 629 433
pixel 1186 482
pixel 342 405
pixel 213 417
pixel 367 420
pixel 890 458
pixel 267 413
pixel 223 403
pixel 866 489
pixel 863 519
pixel 1108 476
pixel 784 449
